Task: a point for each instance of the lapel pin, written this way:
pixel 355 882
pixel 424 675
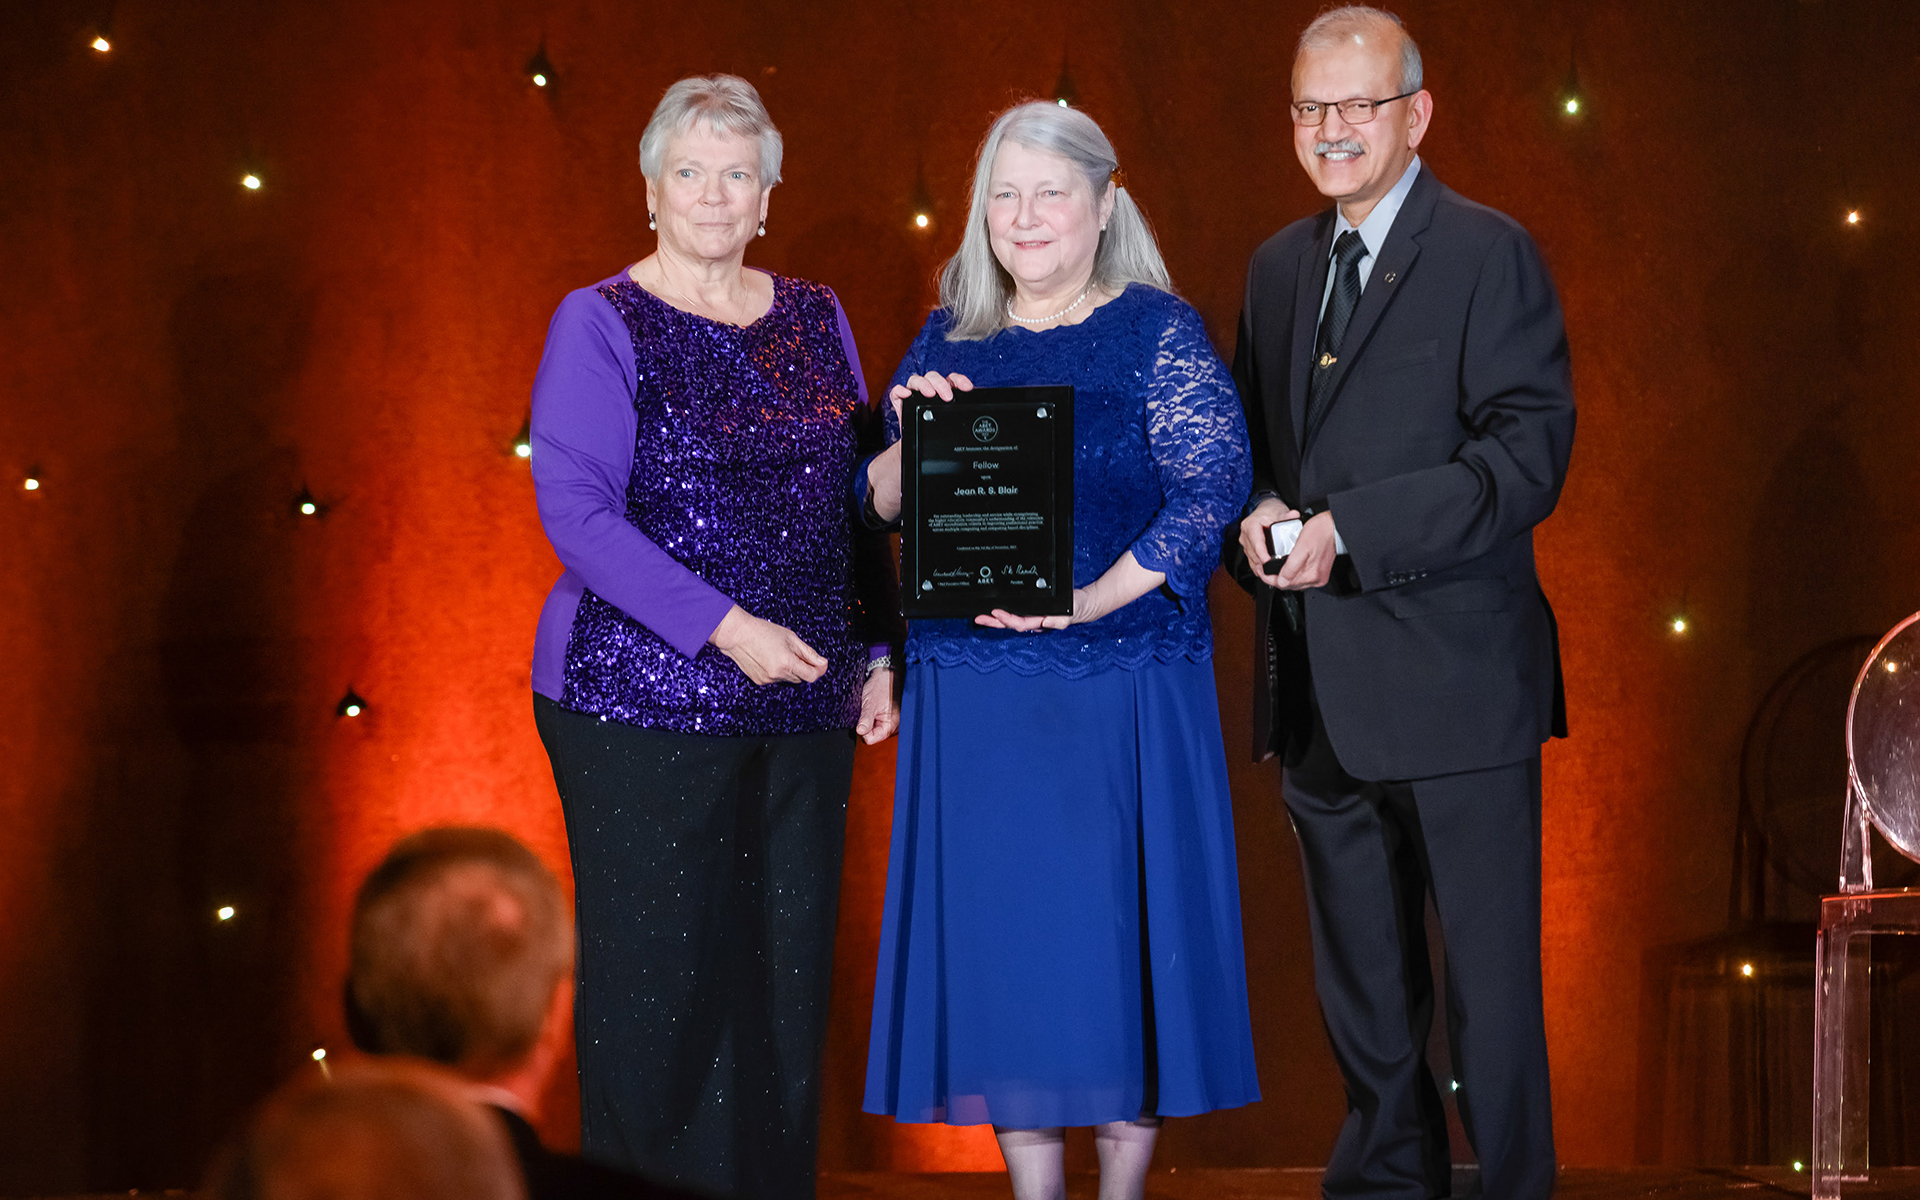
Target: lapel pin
pixel 1327 360
pixel 1392 275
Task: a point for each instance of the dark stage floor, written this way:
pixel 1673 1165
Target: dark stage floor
pixel 1631 1183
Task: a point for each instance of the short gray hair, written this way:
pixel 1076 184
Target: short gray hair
pixel 974 287
pixel 726 104
pixel 459 938
pixel 1333 26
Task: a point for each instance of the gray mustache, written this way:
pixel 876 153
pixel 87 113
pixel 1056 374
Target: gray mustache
pixel 1347 144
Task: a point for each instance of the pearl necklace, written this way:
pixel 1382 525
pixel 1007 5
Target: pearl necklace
pixel 1088 291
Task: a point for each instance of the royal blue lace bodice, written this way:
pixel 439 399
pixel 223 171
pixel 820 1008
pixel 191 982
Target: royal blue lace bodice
pixel 1161 465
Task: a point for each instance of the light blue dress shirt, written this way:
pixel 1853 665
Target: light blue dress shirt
pixel 1373 230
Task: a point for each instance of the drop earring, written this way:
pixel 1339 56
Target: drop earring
pixel 650 224
pixel 763 229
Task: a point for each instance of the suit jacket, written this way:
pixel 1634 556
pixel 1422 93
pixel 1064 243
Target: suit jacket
pixel 551 1175
pixel 1444 443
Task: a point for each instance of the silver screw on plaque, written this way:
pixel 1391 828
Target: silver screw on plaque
pixel 1041 411
pixel 1040 583
pixel 926 414
pixel 926 585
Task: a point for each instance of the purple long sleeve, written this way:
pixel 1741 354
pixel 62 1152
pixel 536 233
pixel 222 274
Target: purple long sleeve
pixel 853 352
pixel 583 443
pixel 874 649
pixel 683 466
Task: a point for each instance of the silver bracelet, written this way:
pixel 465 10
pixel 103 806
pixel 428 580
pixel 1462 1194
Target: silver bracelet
pixel 882 663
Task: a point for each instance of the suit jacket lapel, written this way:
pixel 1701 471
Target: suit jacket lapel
pixel 1388 272
pixel 1310 282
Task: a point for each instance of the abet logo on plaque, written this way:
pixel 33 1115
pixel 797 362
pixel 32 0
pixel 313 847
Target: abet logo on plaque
pixel 986 429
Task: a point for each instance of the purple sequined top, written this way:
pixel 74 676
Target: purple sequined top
pixel 683 466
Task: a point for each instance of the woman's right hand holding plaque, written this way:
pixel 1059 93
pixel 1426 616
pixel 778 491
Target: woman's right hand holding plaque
pixel 883 475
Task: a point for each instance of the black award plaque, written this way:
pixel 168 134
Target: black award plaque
pixel 987 503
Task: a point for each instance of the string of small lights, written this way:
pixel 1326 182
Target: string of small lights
pixel 539 71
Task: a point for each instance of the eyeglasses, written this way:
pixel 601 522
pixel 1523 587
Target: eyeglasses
pixel 1353 112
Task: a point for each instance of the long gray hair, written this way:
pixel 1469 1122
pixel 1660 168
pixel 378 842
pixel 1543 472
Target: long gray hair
pixel 975 288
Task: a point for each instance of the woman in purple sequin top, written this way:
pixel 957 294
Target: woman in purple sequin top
pixel 704 664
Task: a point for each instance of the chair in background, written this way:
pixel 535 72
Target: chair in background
pixel 1725 1071
pixel 1883 792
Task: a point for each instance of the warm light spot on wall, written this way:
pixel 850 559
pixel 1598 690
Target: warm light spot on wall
pixel 539 68
pixel 1062 102
pixel 101 44
pixel 351 705
pixel 921 220
pixel 1678 625
pixel 31 484
pixel 1853 216
pixel 1746 969
pixel 942 1148
pixel 224 912
pixel 250 182
pixel 320 1055
pixel 1892 666
pixel 1572 106
pixel 308 508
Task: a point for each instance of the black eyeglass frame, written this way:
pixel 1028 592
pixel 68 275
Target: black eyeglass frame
pixel 1373 108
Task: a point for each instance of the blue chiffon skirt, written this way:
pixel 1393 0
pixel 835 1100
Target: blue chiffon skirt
pixel 1061 941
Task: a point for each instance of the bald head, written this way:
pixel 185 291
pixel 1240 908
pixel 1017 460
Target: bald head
pixel 1372 28
pixel 376 1131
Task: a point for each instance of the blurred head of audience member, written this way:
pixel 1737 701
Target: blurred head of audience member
pixel 462 954
pixel 377 1131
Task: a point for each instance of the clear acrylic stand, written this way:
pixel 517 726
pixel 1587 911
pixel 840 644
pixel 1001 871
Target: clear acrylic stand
pixel 1883 792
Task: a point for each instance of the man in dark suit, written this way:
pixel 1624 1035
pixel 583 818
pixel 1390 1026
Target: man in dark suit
pixel 462 955
pixel 1404 369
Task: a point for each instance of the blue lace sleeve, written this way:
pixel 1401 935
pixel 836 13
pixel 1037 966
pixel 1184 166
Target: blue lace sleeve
pixel 1198 437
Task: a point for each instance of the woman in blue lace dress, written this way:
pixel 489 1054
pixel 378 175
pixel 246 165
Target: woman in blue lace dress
pixel 1061 941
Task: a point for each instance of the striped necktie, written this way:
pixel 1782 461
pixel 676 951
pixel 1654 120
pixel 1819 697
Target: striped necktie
pixel 1347 253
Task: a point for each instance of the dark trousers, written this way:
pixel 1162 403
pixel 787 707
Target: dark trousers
pixel 1373 851
pixel 707 879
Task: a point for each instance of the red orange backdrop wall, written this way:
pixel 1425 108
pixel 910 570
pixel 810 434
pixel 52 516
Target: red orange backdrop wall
pixel 181 356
